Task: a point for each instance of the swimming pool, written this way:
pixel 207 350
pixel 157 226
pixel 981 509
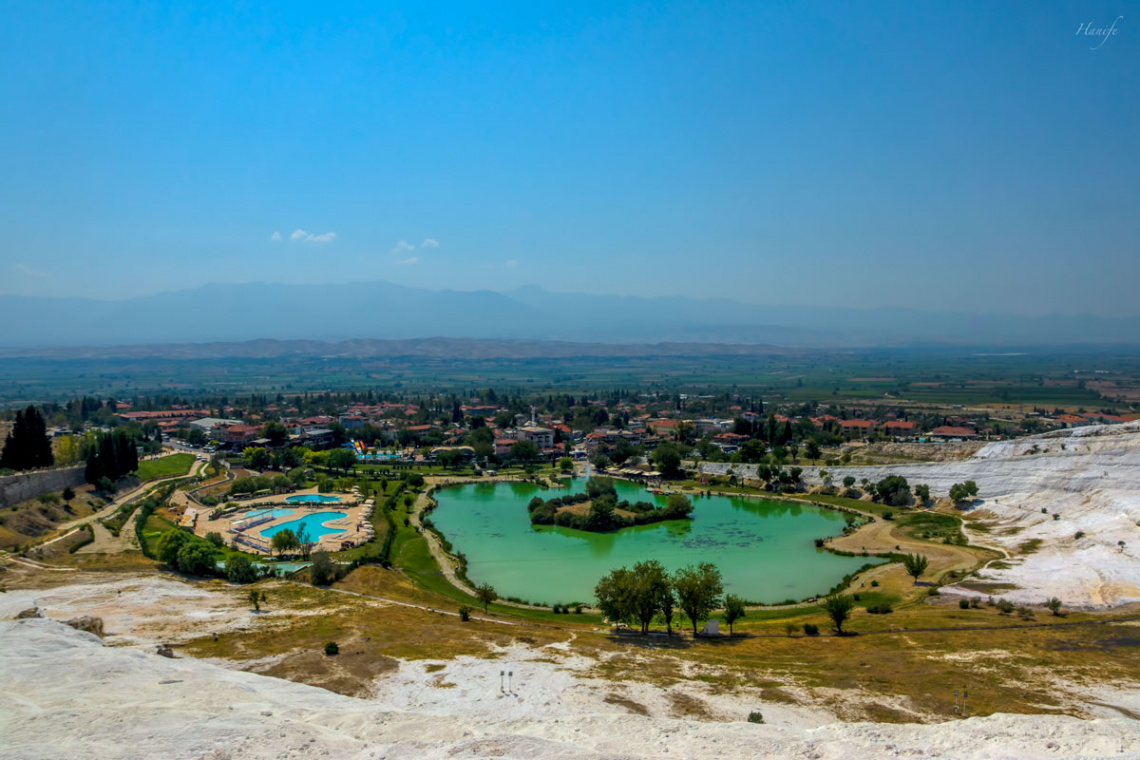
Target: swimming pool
pixel 268 513
pixel 312 498
pixel 314 525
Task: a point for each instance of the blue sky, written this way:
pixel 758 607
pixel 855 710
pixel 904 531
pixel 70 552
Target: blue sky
pixel 977 156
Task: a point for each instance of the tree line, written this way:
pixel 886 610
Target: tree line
pixel 27 446
pixel 648 592
pixel 111 456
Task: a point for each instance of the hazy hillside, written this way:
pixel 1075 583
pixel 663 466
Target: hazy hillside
pixel 381 310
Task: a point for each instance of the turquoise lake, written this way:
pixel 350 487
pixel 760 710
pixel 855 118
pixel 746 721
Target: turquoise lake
pixel 764 549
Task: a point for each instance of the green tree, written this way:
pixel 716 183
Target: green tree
pixel 613 594
pixel 486 594
pixel 838 608
pixel 166 550
pixel 27 446
pixel 651 585
pixel 451 458
pixel 698 591
pixel 677 506
pixel 284 541
pixel 342 459
pixel 667 459
pixel 893 490
pixel 964 491
pixel 304 542
pixel 915 565
pixel 733 610
pixel 240 569
pixel 812 450
pixel 753 451
pixel 257 597
pixel 524 451
pixel 922 493
pixel 601 515
pixel 1054 606
pixel 322 572
pixel 565 464
pixel 668 605
pixel 275 432
pixel 197 557
pixel 257 457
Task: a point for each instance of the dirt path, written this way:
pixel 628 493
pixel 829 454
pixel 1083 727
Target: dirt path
pixel 105 542
pixel 128 496
pixel 882 536
pixel 442 558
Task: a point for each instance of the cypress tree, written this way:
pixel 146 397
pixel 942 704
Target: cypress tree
pixel 27 446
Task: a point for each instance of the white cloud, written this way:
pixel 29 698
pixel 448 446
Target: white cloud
pixel 308 237
pixel 410 260
pixel 429 243
pixel 403 245
pixel 275 237
pixel 513 263
pixel 26 270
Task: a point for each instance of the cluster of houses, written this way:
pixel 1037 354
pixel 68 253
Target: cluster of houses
pixel 639 425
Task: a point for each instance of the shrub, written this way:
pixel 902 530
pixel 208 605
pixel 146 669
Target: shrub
pixel 755 717
pixel 964 604
pixel 257 598
pixel 465 613
pixel 68 494
pixel 323 571
pixel 1004 606
pixel 215 538
pixel 934 592
pixel 331 649
pixel 197 557
pixel 240 569
pixel 811 629
pixel 874 584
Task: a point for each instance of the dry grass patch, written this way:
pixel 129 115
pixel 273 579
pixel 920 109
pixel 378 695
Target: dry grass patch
pixel 634 707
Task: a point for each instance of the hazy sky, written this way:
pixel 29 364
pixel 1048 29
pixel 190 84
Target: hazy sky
pixel 981 156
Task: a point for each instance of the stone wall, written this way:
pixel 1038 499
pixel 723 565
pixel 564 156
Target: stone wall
pixel 29 485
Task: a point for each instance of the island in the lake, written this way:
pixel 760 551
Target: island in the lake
pixel 599 511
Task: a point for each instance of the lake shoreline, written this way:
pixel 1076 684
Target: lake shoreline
pixel 450 557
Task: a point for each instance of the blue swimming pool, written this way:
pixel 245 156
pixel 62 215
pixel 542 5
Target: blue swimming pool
pixel 312 498
pixel 270 513
pixel 314 525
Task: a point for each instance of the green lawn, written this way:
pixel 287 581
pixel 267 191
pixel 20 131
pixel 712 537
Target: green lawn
pixel 165 467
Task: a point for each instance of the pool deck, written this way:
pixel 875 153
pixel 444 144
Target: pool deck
pixel 356 525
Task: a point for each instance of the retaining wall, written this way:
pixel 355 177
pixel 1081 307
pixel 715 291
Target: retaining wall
pixel 29 485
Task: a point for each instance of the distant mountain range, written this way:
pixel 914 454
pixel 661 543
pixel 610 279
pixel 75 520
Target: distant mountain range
pixel 385 311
